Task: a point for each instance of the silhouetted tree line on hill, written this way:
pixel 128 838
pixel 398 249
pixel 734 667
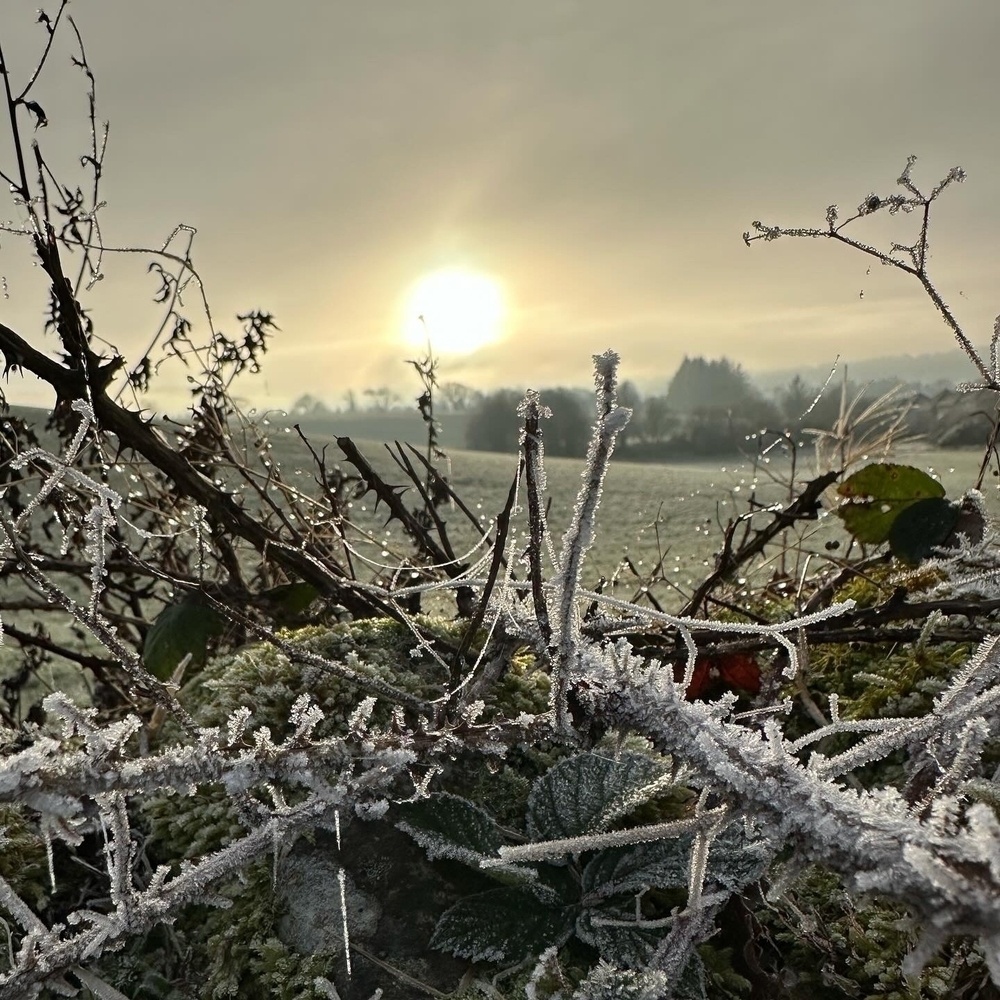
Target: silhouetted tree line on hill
pixel 712 408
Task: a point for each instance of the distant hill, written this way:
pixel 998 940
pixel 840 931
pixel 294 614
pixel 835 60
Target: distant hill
pixel 393 425
pixel 942 369
pixel 367 425
pixel 35 415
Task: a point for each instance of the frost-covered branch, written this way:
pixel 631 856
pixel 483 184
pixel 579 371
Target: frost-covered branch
pixel 946 869
pixel 611 421
pixel 46 955
pixel 909 258
pixel 58 782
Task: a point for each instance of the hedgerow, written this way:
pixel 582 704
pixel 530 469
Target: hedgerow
pixel 296 765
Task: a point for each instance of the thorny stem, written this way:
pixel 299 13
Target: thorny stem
pixel 580 535
pixel 22 188
pixel 533 471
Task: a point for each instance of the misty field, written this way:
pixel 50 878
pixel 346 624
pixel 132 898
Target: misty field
pixel 669 517
pixel 653 511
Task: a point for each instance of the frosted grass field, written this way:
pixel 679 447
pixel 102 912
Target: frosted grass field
pixel 648 511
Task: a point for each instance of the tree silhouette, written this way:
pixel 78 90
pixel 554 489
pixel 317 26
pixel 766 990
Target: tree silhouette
pixel 492 425
pixel 702 384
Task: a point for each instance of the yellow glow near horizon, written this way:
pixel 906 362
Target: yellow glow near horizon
pixel 458 310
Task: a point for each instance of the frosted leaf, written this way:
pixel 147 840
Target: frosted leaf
pixel 735 860
pixel 660 864
pixel 448 826
pixel 606 982
pixel 587 793
pixel 619 936
pixel 500 925
pixel 451 827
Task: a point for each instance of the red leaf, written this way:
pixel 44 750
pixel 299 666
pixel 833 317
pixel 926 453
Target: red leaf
pixel 719 672
pixel 740 670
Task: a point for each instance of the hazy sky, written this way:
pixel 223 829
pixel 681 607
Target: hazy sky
pixel 598 159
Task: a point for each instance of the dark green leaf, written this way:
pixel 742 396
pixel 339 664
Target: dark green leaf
pixel 922 527
pixel 448 826
pixel 735 860
pixel 612 929
pixel 661 864
pixel 877 494
pixel 180 628
pixel 501 925
pixel 586 793
pixel 290 599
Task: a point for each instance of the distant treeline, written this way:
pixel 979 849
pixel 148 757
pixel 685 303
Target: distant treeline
pixel 710 408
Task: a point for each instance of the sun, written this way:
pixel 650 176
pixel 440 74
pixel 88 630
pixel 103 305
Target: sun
pixel 456 310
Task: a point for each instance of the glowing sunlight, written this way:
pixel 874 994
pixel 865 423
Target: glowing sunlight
pixel 458 310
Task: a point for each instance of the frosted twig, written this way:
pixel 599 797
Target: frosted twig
pixel 579 537
pixel 598 841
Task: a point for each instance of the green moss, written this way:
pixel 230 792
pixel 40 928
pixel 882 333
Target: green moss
pixel 726 982
pixel 265 680
pixel 281 974
pixel 878 680
pixel 882 680
pixel 524 688
pixel 829 946
pixel 236 951
pixel 189 827
pixel 218 952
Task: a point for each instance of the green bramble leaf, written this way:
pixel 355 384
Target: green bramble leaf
pixel 877 494
pixel 659 864
pixel 179 629
pixel 588 792
pixel 614 931
pixel 290 600
pixel 448 826
pixel 501 925
pixel 735 860
pixel 922 527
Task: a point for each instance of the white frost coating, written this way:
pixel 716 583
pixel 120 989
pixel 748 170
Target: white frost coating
pixel 342 881
pixel 358 720
pixel 580 535
pixel 326 988
pixel 940 856
pixel 876 840
pixel 105 772
pixel 598 841
pixel 616 420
